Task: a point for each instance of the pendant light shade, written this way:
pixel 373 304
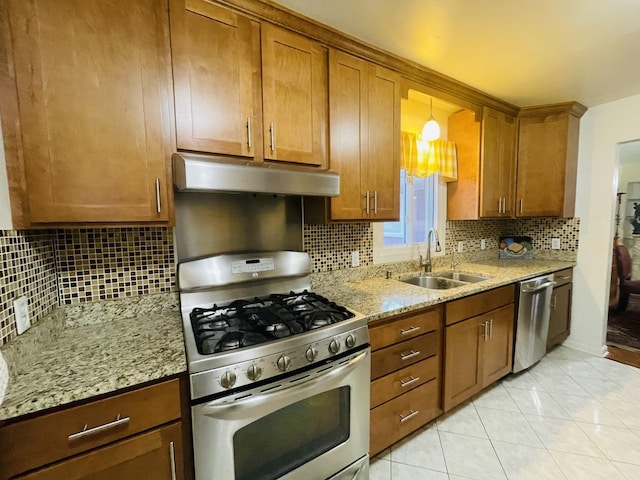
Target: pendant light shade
pixel 431 129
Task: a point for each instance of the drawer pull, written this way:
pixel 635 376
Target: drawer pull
pixel 412 379
pixel 411 354
pixel 172 459
pixel 409 330
pixel 101 428
pixel 404 418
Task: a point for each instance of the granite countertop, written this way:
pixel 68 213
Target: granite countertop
pixel 378 298
pixel 81 351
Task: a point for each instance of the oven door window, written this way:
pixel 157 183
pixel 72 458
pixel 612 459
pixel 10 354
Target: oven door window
pixel 287 438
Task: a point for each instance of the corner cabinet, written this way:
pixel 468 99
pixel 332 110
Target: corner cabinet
pixel 486 165
pixel 478 343
pixel 548 160
pixel 405 373
pixel 247 88
pixel 86 111
pixel 364 118
pixel 133 435
pixel 560 317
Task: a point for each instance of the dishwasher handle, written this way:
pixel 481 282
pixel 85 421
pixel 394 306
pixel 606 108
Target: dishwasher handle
pixel 536 289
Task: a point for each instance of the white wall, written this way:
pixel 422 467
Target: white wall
pixel 601 129
pixel 5 208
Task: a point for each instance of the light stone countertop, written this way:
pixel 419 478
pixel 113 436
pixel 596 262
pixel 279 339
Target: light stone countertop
pixel 378 298
pixel 81 351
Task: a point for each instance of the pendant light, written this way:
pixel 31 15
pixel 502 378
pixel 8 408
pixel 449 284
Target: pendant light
pixel 431 129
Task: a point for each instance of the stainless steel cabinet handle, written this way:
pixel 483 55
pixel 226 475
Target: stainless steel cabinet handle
pixel 158 206
pixel 553 301
pixel 412 413
pixel 100 428
pixel 483 334
pixel 249 139
pixel 499 205
pixel 375 201
pixel 504 204
pixel 411 354
pixel 272 133
pixel 521 206
pixel 172 459
pixel 564 278
pixel 536 289
pixel 409 330
pixel 490 329
pixel 412 379
pixel 367 209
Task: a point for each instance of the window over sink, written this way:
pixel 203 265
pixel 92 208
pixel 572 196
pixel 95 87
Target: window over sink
pixel 422 206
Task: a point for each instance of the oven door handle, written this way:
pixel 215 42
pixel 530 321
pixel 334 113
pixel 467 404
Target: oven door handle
pixel 337 372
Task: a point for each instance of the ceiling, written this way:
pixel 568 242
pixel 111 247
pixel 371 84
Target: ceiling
pixel 524 52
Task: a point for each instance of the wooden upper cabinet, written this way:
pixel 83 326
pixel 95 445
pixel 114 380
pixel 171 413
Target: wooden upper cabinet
pixel 216 65
pixel 498 157
pixel 486 164
pixel 364 102
pixel 86 89
pixel 294 79
pixel 547 160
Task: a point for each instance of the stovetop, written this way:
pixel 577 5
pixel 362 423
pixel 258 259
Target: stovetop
pixel 244 323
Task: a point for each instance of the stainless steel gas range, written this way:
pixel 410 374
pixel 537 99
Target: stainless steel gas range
pixel 279 375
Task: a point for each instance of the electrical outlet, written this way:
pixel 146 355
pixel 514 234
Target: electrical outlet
pixel 355 259
pixel 22 314
pixel 483 244
pixel 555 244
pixel 460 247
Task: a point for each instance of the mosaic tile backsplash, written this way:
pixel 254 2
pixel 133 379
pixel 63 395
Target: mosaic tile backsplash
pixel 27 267
pixel 75 266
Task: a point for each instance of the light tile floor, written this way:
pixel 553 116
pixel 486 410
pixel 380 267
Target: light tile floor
pixel 571 417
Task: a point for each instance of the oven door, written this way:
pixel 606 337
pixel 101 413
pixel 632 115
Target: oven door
pixel 312 425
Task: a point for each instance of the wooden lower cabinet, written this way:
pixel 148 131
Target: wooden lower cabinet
pixel 560 317
pixel 406 375
pixel 155 455
pixel 478 350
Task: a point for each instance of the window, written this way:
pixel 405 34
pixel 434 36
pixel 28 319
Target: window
pixel 422 206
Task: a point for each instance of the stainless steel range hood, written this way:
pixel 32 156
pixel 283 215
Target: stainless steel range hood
pixel 209 173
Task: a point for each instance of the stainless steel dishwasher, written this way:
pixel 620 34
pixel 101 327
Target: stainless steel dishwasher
pixel 532 321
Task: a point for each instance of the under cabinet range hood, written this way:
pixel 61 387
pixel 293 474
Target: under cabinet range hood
pixel 209 173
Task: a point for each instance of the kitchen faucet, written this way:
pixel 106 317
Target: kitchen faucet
pixel 427 262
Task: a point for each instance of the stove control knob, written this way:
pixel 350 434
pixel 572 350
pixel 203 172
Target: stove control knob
pixel 228 379
pixel 350 342
pixel 283 363
pixel 311 354
pixel 254 372
pixel 334 347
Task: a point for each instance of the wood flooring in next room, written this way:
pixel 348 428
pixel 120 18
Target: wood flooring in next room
pixel 572 416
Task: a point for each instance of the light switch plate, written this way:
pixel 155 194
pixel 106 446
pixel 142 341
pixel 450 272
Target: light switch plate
pixel 460 247
pixel 355 259
pixel 555 244
pixel 21 311
pixel 483 244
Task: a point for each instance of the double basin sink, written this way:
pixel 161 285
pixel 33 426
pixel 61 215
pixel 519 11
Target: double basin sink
pixel 443 280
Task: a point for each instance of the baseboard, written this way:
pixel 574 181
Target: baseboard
pixel 590 349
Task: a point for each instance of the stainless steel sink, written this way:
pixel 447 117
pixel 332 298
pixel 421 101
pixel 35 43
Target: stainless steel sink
pixel 462 277
pixel 443 280
pixel 435 283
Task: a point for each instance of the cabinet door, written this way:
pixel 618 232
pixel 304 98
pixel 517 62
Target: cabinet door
pixel 156 454
pixel 560 318
pixel 348 120
pixel 93 83
pixel 216 71
pixel 461 371
pixel 497 348
pixel 294 78
pixel 382 164
pixel 542 156
pixel 498 159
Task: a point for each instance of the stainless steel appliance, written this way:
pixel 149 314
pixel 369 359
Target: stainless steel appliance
pixel 279 375
pixel 532 321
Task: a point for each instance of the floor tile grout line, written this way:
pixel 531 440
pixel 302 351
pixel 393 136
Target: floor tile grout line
pixel 504 470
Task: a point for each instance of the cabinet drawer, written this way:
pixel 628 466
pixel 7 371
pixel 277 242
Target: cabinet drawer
pixel 478 304
pixel 395 357
pixel 563 277
pixel 395 419
pixel 404 380
pixel 399 329
pixel 48 438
